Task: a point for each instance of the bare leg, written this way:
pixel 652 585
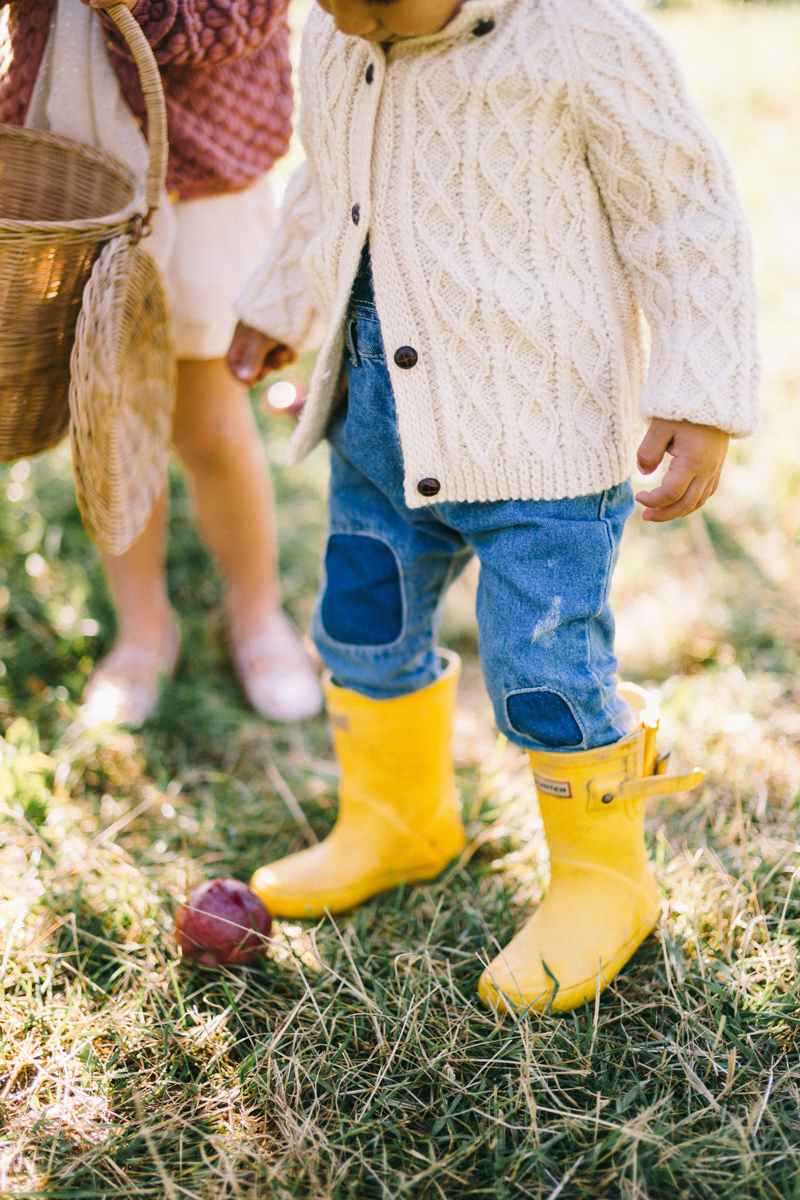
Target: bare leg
pixel 124 685
pixel 138 586
pixel 215 435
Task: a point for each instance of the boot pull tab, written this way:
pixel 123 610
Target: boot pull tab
pixel 660 785
pixel 606 793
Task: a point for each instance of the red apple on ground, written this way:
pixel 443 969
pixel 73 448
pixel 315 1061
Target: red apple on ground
pixel 223 921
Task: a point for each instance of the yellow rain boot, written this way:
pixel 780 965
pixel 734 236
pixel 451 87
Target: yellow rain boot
pixel 399 817
pixel 603 900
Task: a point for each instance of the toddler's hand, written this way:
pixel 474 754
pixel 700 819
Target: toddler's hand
pixel 253 354
pixel 698 453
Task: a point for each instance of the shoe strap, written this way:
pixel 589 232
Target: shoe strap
pixel 143 656
pixel 270 642
pixel 262 643
pixel 133 656
pixel 660 785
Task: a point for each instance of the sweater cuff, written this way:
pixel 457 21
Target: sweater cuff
pixel 712 380
pixel 295 324
pixel 737 414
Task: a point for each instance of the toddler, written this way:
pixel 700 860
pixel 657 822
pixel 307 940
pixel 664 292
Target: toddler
pixel 494 192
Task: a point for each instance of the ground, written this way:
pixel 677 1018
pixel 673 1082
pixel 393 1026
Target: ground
pixel 355 1062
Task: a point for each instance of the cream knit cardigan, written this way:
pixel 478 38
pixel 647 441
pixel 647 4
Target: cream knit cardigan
pixel 529 188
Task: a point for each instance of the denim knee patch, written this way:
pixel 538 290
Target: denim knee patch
pixel 544 716
pixel 363 601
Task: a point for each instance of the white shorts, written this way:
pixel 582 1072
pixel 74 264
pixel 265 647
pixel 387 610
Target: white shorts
pixel 219 241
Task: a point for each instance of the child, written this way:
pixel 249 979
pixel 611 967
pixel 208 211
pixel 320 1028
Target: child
pixel 493 191
pixel 227 79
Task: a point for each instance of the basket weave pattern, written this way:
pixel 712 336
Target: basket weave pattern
pixel 55 197
pixel 121 396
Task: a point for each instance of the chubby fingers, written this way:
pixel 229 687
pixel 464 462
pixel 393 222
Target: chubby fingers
pixel 281 356
pixel 253 354
pixel 698 455
pixel 654 446
pixel 682 491
pixel 677 494
pixel 248 353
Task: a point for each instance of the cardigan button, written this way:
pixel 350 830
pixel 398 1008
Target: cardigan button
pixel 482 28
pixel 370 75
pixel 429 487
pixel 355 213
pixel 406 358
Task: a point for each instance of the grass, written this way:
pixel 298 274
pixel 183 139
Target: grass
pixel 355 1062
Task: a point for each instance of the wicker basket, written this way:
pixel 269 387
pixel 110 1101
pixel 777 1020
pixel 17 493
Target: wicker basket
pixel 61 202
pixel 121 396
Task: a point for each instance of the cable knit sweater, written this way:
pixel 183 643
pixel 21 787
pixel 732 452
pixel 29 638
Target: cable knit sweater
pixel 532 178
pixel 226 73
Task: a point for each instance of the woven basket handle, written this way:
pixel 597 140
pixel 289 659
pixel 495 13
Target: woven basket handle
pixel 150 80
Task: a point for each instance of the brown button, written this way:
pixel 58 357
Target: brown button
pixel 370 73
pixel 429 487
pixel 356 213
pixel 406 357
pixel 482 28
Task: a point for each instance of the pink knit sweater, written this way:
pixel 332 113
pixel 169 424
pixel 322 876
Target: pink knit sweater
pixel 226 73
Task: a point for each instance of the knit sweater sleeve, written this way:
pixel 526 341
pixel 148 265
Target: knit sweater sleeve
pixel 195 32
pixel 276 299
pixel 677 222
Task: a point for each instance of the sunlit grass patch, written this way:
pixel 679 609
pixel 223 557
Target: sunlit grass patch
pixel 354 1061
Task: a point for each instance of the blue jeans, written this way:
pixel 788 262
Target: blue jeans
pixel 546 628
